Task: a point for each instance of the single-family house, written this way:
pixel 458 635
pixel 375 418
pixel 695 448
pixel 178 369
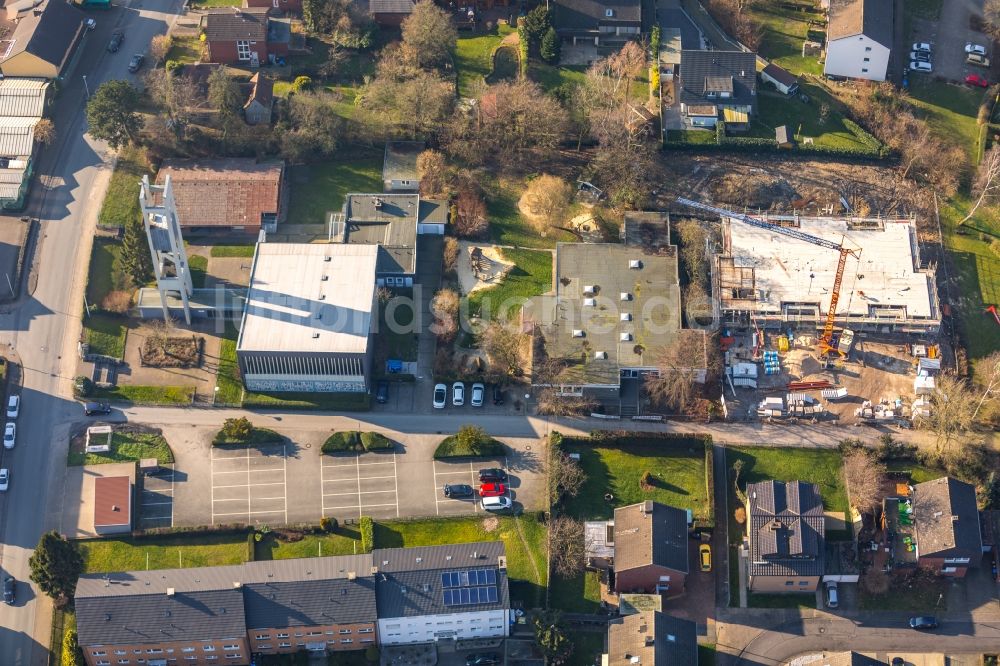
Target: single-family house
pixel 651 638
pixel 946 528
pixel 390 13
pixel 44 41
pixel 248 37
pixel 782 79
pixel 651 548
pixel 603 23
pixel 229 195
pixel 859 39
pixel 257 109
pixel 717 85
pixel 399 167
pixel 785 524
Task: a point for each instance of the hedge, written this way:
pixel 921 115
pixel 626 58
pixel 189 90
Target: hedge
pixel 874 150
pixel 257 437
pixel 453 447
pixel 354 440
pixel 367 527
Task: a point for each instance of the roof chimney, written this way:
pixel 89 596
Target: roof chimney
pixel 170 591
pixel 647 507
pixel 351 575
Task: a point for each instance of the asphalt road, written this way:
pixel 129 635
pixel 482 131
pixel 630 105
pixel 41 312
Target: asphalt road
pixel 43 327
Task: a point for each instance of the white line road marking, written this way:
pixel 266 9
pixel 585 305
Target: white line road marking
pixel 339 508
pixel 264 499
pixel 395 481
pixel 254 485
pixel 372 478
pixel 145 504
pixel 284 471
pixel 357 465
pixel 363 492
pixel 475 482
pixel 252 513
pixel 268 469
pixel 171 496
pixel 461 471
pixel 233 499
pixel 437 508
pixel 212 486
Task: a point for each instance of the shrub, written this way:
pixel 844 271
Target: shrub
pixel 251 545
pixel 117 301
pixel 72 654
pixel 367 527
pixel 237 430
pixel 376 441
pixel 172 66
pixel 469 441
pixel 339 442
pixel 301 83
pixel 740 514
pixel 540 517
pixel 82 386
pixel 654 81
pixel 328 524
pixel 646 480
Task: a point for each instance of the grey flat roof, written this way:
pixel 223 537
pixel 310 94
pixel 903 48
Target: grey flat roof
pixel 309 298
pixel 400 162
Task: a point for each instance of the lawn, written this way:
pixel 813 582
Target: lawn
pixel 694 137
pixel 779 600
pixel 588 648
pixel 163 552
pixel 523 536
pixel 105 334
pixel 121 203
pixel 579 594
pixel 508 226
pixel 106 273
pixel 212 4
pixel 125 447
pixel 552 77
pixel 227 378
pixel 784 31
pixel 530 276
pixel 187 49
pixel 775 109
pixel 919 593
pixel 347 402
pixel 918 473
pixel 819 466
pixel 146 395
pixel 318 188
pixel 677 466
pixel 950 111
pixel 473 62
pixel 233 250
pixel 345 541
pixel 199 270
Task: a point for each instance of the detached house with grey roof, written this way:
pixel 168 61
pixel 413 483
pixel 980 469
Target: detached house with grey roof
pixel 948 538
pixel 428 594
pixel 717 85
pixel 603 23
pixel 859 39
pixel 785 524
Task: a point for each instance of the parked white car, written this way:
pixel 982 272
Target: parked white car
pixel 13 406
pixel 4 479
pixel 920 46
pixel 978 49
pixel 478 394
pixel 917 66
pixel 501 503
pixel 440 396
pixel 9 433
pixel 458 394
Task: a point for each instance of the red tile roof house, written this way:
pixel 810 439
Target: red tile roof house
pixel 284 6
pixel 112 505
pixel 230 195
pixel 236 36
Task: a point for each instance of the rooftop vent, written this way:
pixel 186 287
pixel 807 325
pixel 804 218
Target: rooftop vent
pixel 373 570
pixel 237 584
pixel 327 258
pixel 600 355
pixel 107 617
pixel 626 316
pixel 377 202
pixel 634 263
pixel 325 278
pixel 447 557
pixel 625 337
pixel 351 575
pixel 315 335
pixel 671 638
pixel 170 591
pixel 647 507
pixel 938 514
pixel 589 289
pixel 650 641
pixel 589 302
pixel 577 333
pixel 625 296
pixel 114 507
pixel 318 315
pixel 419 560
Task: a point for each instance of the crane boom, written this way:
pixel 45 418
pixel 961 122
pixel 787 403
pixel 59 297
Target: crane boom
pixel 825 341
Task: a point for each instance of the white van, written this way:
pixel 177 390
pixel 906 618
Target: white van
pixel 496 503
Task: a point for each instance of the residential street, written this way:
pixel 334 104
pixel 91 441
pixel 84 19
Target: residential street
pixel 43 326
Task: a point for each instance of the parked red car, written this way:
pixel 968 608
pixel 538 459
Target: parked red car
pixel 492 490
pixel 976 80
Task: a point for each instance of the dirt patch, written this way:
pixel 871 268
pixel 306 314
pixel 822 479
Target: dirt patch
pixel 172 352
pixel 480 266
pixel 491 524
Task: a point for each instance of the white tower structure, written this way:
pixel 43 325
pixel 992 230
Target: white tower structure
pixel 166 245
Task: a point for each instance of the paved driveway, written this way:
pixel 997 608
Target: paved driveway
pixel 949 35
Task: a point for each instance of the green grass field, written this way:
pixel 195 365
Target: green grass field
pixel 227 379
pixel 579 594
pixel 530 276
pixel 784 31
pixel 677 466
pixel 106 273
pixel 950 110
pixel 775 109
pixel 105 334
pixel 348 402
pixel 819 466
pixel 508 226
pixel 233 250
pixel 318 188
pixel 199 270
pixel 346 541
pixel 472 58
pixel 190 49
pixel 125 447
pixel 121 203
pixel 146 395
pixel 165 552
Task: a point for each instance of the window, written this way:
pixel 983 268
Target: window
pixel 949 570
pixel 264 646
pixel 609 13
pixel 284 645
pixel 345 631
pixel 208 648
pixel 956 560
pixel 188 649
pixel 103 662
pixel 263 637
pixel 211 658
pixel 282 635
pixel 367 640
pixel 230 647
pixel 788 583
pixel 365 630
pixel 121 651
pixel 235 655
pixel 243 49
pixel 867 59
pixel 99 653
pixel 123 661
pixel 345 641
pixel 803 583
pixel 320 633
pixel 864 69
pixel 154 651
pixel 868 49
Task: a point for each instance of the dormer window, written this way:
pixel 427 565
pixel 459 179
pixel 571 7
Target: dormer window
pixel 710 94
pixel 609 13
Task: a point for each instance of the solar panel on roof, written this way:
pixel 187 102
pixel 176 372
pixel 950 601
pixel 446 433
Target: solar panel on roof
pixel 448 597
pixel 492 594
pixel 465 578
pixel 491 577
pixel 445 580
pixel 465 595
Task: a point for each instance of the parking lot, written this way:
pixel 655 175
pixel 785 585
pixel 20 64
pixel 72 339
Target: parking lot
pixel 157 500
pixel 467 472
pixel 356 485
pixel 949 34
pixel 249 485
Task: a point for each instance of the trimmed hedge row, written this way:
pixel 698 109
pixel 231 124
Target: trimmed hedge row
pixel 367 527
pixel 874 150
pixel 354 440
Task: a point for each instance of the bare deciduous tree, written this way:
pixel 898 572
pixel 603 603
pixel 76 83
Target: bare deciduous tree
pixel 566 546
pixel 675 385
pixel 547 198
pixel 405 98
pixel 991 18
pixel 864 475
pixel 988 376
pixel 45 131
pixel 444 307
pixel 159 46
pixel 434 174
pixel 450 254
pixel 952 408
pixel 987 185
pixel 502 344
pixel 692 250
pixel 566 476
pixel 429 35
pixel 470 212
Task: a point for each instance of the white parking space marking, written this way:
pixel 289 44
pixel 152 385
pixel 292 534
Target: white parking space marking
pixel 251 479
pixel 351 488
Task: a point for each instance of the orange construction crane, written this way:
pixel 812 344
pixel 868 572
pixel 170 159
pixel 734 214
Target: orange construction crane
pixel 826 340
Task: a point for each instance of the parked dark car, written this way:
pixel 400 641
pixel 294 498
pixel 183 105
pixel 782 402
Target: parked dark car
pixel 136 62
pixel 923 622
pixel 458 490
pixel 9 590
pixel 487 659
pixel 117 37
pixel 382 392
pixel 497 394
pixel 97 407
pixel 492 475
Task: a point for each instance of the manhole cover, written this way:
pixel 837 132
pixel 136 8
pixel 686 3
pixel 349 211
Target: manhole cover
pixel 309 446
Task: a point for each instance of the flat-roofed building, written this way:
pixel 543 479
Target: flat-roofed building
pixel 778 281
pixel 112 505
pixel 308 319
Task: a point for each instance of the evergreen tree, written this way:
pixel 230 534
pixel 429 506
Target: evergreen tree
pixel 551 46
pixel 112 113
pixel 136 260
pixel 55 566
